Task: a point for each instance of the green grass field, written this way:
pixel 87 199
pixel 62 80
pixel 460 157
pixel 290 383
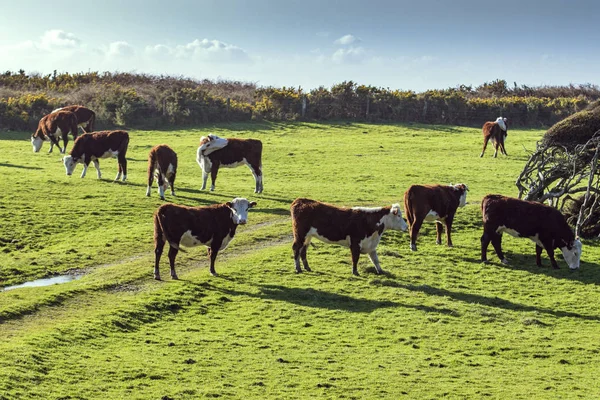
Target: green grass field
pixel 437 324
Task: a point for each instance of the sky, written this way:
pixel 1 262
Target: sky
pixel 407 45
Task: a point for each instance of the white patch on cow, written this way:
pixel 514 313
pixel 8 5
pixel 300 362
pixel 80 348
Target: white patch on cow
pixel 312 232
pixel 369 244
pixel 226 241
pixel 58 109
pixel 170 169
pixel 107 154
pixel 236 164
pixel 148 189
pixel 189 240
pixel 204 162
pixel 240 206
pixel 161 191
pixel 58 132
pixel 214 143
pixel 501 123
pixel 432 216
pixel 536 239
pixel 503 229
pixel 463 199
pixel 368 209
pixel 97 165
pixel 37 143
pixel 573 256
pixel 70 163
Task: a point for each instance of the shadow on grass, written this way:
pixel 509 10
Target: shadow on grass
pixel 18 166
pixel 484 300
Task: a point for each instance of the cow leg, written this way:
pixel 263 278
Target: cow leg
pixel 122 167
pixel 161 185
pixel 439 228
pixel 213 176
pixel 550 252
pixel 496 146
pixel 204 179
pixel 172 254
pixel 150 179
pixel 538 255
pixel 54 141
pixel 449 220
pixel 502 148
pixel 256 172
pixel 303 256
pixel 159 244
pixel 375 261
pixel 355 250
pixel 497 243
pixel 414 232
pixel 65 138
pixel 485 242
pixel 212 253
pixel 97 165
pixel 85 167
pixel 171 180
pixel 297 246
pixel 485 143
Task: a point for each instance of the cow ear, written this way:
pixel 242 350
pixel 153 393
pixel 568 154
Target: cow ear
pixel 229 204
pixel 252 204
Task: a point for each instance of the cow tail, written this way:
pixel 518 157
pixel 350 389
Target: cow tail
pixel 407 209
pixel 91 122
pixel 74 127
pixel 160 231
pixel 152 161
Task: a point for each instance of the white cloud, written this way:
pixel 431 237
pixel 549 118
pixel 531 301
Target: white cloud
pixel 201 50
pixel 56 39
pixel 351 55
pixel 347 40
pixel 120 49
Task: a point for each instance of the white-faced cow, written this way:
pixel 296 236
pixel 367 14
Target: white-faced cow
pixel 213 226
pixel 85 116
pixel 358 228
pixel 162 162
pixel 496 131
pixel 433 203
pixel 93 146
pixel 52 127
pixel 215 152
pixel 543 225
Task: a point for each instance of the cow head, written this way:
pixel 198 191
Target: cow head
pixel 70 163
pixel 502 123
pixel 37 139
pixel 239 208
pixel 462 189
pixel 210 143
pixel 395 220
pixel 572 253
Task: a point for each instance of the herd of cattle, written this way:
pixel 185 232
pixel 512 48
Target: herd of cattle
pixel 358 228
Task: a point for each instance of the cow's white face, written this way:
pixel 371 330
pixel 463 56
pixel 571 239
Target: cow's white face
pixel 36 142
pixel 240 207
pixel 573 255
pixel 70 164
pixel 462 201
pixel 395 219
pixel 210 143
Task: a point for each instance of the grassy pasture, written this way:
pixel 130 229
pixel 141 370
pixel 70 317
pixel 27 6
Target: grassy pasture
pixel 437 324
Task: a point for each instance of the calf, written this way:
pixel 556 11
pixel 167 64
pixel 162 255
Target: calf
pixel 213 226
pixel 93 146
pixel 229 153
pixel 358 228
pixel 162 162
pixel 496 131
pixel 53 126
pixel 433 203
pixel 85 117
pixel 542 224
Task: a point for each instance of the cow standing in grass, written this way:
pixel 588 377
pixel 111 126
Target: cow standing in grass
pixel 433 203
pixel 85 117
pixel 543 225
pixel 213 226
pixel 215 152
pixel 358 228
pixel 162 162
pixel 90 147
pixel 496 131
pixel 52 127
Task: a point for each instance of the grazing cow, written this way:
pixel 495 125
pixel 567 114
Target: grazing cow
pixel 433 203
pixel 93 146
pixel 496 131
pixel 53 126
pixel 162 162
pixel 85 117
pixel 213 226
pixel 215 152
pixel 543 225
pixel 358 228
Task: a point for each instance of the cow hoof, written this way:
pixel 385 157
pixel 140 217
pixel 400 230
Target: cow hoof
pixel 162 197
pixel 413 247
pixel 174 276
pixel 307 269
pixel 505 261
pixel 157 277
pixel 438 242
pixel 450 245
pixel 213 273
pixel 299 271
pixel 485 262
pixel 172 193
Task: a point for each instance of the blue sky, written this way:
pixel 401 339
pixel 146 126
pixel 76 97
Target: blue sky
pixel 415 45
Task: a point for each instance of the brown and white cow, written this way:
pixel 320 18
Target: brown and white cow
pixel 358 228
pixel 53 126
pixel 93 146
pixel 85 117
pixel 433 203
pixel 496 131
pixel 542 224
pixel 215 152
pixel 162 162
pixel 213 226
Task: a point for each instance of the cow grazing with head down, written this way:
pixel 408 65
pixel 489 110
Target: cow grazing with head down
pixel 53 126
pixel 433 203
pixel 215 152
pixel 213 226
pixel 542 224
pixel 358 228
pixel 93 146
pixel 162 162
pixel 496 131
pixel 85 117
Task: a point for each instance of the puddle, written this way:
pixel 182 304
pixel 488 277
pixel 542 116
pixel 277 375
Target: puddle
pixel 44 282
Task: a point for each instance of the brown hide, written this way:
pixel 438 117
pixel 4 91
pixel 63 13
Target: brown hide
pixel 420 199
pixel 66 121
pixel 96 144
pixel 85 117
pixel 158 160
pixel 492 131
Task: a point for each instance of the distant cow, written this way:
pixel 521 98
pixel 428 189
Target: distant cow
pixel 93 146
pixel 358 228
pixel 213 226
pixel 162 162
pixel 53 126
pixel 496 131
pixel 85 117
pixel 433 203
pixel 542 224
pixel 230 153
